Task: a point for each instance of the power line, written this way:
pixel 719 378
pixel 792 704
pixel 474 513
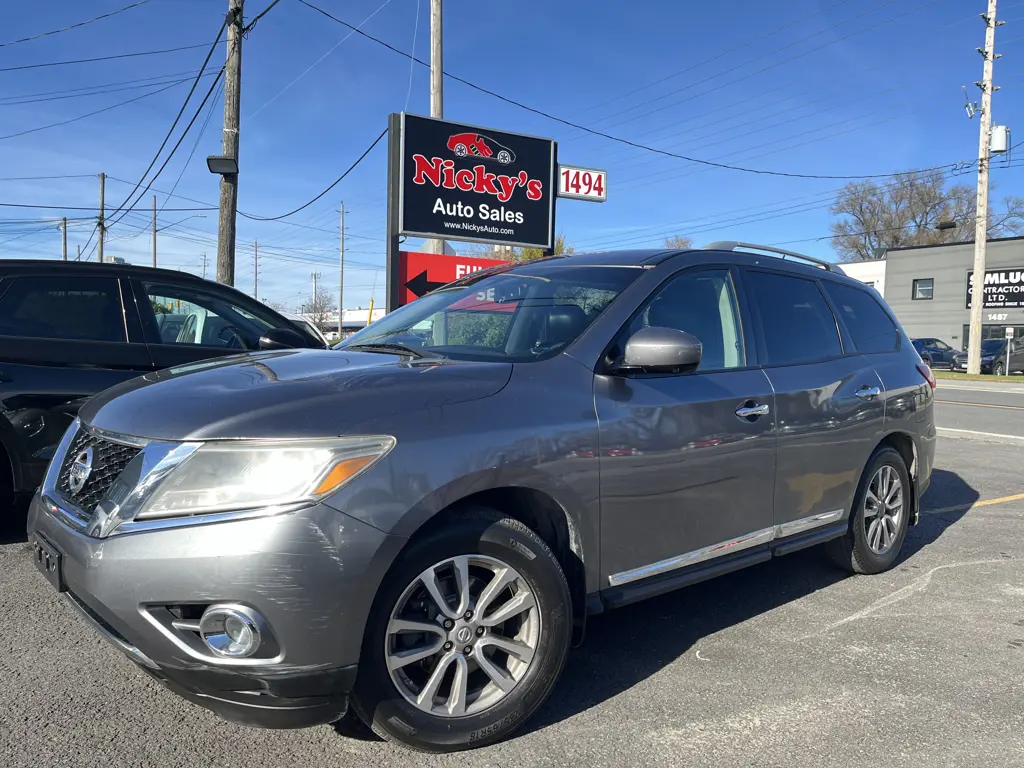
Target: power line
pixel 610 137
pixel 99 92
pixel 90 114
pixel 248 27
pixel 195 83
pixel 332 186
pixel 169 75
pixel 195 146
pixel 174 149
pixel 103 58
pixel 75 26
pixel 44 178
pixel 81 208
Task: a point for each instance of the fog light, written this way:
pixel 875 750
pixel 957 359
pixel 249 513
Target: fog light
pixel 231 631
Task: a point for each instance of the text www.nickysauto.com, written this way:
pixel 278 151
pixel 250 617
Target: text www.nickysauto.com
pixel 484 228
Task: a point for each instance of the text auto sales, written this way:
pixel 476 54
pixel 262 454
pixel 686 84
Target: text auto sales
pixel 442 174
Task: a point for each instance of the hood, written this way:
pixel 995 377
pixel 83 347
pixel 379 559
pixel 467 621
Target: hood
pixel 290 393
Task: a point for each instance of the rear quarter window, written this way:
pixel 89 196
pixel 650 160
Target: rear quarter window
pixel 869 325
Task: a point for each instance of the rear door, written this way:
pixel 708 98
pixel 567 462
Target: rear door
pixel 184 323
pixel 829 400
pixel 63 338
pixel 685 476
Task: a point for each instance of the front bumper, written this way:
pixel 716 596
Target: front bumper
pixel 311 574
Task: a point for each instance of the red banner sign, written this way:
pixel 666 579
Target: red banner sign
pixel 421 273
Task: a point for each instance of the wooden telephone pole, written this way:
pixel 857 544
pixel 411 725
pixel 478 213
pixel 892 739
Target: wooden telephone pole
pixel 232 117
pixel 981 215
pixel 341 271
pixel 101 224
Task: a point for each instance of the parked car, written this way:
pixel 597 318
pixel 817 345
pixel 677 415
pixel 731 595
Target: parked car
pixel 308 327
pixel 993 357
pixel 477 145
pixel 935 352
pixel 417 526
pixel 69 330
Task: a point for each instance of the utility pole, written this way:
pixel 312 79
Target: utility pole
pixel 255 269
pixel 436 85
pixel 79 253
pixel 64 239
pixel 232 116
pixel 341 270
pixel 204 266
pixel 101 224
pixel 981 220
pixel 154 230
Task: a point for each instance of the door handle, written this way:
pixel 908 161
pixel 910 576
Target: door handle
pixel 868 393
pixel 752 412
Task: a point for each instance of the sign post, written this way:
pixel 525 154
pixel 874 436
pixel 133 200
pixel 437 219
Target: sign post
pixel 1008 333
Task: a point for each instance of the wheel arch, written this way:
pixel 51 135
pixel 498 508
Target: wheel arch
pixel 904 443
pixel 549 519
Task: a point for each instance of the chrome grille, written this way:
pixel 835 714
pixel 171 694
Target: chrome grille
pixel 109 460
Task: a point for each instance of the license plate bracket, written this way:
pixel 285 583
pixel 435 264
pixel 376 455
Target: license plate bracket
pixel 49 561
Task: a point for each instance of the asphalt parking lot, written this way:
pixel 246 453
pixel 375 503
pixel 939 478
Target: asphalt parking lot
pixel 790 663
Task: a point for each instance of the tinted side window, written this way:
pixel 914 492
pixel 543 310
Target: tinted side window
pixel 185 315
pixel 797 323
pixel 703 304
pixel 71 308
pixel 871 328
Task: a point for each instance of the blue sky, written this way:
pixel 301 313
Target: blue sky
pixel 806 86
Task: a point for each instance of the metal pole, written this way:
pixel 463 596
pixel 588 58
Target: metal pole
pixel 232 117
pixel 341 270
pixel 436 84
pixel 101 224
pixel 255 269
pixel 154 230
pixel 392 289
pixel 64 239
pixel 981 220
pixel 79 253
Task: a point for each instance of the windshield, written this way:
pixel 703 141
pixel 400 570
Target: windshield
pixel 520 314
pixel 991 347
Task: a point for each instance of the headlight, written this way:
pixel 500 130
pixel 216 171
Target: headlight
pixel 228 476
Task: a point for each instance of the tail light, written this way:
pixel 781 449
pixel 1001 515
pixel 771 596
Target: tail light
pixel 927 373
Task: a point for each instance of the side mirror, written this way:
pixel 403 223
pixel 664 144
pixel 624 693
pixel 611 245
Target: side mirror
pixel 282 338
pixel 662 350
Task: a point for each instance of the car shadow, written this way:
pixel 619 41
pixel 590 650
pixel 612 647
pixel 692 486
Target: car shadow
pixel 626 646
pixel 12 522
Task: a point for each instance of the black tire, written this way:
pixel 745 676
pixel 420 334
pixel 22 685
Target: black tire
pixel 481 531
pixel 853 552
pixel 998 369
pixel 926 360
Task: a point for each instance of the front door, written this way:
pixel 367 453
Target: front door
pixel 63 339
pixel 187 323
pixel 687 460
pixel 830 403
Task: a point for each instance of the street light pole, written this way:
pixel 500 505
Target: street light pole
pixel 981 215
pixel 436 84
pixel 154 231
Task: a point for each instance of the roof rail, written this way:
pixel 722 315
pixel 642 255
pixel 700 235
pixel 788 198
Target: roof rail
pixel 732 245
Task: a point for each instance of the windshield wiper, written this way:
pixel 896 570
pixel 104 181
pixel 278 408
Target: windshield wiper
pixel 390 348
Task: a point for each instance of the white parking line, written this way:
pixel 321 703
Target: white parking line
pixel 970 432
pixel 964 388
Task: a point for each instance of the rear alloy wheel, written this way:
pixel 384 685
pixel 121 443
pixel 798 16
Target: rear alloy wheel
pixel 998 369
pixel 467 636
pixel 881 514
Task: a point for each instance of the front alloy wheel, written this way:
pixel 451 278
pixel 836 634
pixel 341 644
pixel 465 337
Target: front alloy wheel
pixel 462 636
pixel 467 634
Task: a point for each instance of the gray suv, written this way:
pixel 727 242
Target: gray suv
pixel 415 525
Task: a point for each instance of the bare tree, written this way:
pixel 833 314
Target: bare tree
pixel 679 242
pixel 907 211
pixel 562 247
pixel 319 306
pixel 276 305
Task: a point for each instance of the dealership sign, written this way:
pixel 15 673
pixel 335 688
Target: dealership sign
pixel 421 273
pixel 1003 288
pixel 466 183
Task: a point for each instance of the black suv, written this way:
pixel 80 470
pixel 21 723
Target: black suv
pixel 69 330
